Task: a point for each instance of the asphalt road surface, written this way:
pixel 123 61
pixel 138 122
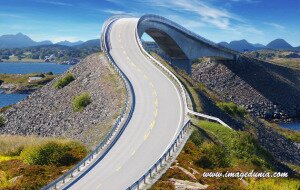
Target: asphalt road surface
pixel 156 120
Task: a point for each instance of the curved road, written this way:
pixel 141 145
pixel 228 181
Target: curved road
pixel 156 120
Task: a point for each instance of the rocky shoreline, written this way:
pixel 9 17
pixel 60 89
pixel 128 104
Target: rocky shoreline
pixel 18 90
pixel 268 91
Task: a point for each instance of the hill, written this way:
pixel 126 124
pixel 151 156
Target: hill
pixel 67 43
pixel 279 44
pixel 89 43
pixel 244 45
pixel 18 41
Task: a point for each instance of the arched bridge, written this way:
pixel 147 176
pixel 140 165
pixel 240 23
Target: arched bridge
pixel 180 44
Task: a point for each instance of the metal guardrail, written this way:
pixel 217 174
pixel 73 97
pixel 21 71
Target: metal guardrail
pixel 163 159
pixel 182 89
pixel 107 141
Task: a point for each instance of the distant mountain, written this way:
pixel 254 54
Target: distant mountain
pixel 90 43
pixel 224 44
pixel 239 45
pixel 67 43
pixel 279 44
pixel 243 45
pixel 259 45
pixel 19 40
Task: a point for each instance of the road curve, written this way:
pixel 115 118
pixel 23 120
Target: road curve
pixel 157 117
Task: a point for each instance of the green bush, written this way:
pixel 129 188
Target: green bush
pixel 64 81
pixel 2 120
pixel 81 101
pixel 213 156
pixel 54 153
pixel 232 109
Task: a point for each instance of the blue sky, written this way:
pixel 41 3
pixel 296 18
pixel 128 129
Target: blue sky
pixel 258 21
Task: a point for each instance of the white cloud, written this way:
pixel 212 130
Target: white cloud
pixel 59 3
pixel 247 1
pixel 203 13
pixel 114 12
pixel 5 15
pixel 275 25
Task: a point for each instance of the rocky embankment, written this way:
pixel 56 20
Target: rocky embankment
pixel 48 111
pixel 268 91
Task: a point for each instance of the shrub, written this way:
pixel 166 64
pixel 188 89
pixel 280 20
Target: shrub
pixel 232 109
pixel 213 156
pixel 81 101
pixel 2 120
pixel 59 154
pixel 64 81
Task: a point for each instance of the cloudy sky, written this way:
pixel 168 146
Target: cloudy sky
pixel 258 21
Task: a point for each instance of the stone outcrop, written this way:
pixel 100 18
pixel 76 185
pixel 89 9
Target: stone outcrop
pixel 268 91
pixel 184 184
pixel 48 111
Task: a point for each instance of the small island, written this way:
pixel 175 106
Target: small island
pixel 24 83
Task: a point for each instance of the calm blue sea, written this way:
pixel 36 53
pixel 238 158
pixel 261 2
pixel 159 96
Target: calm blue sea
pixel 292 126
pixel 24 68
pixel 8 99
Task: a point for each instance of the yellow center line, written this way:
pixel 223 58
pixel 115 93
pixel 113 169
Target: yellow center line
pixel 146 135
pixel 155 112
pixel 154 93
pixel 98 186
pixel 152 124
pixel 146 77
pixel 133 153
pixel 118 168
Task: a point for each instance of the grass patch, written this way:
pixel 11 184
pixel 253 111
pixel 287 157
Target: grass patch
pixel 32 162
pixel 53 153
pixel 64 81
pixel 22 79
pixel 274 184
pixel 81 101
pixel 232 109
pixel 3 109
pixel 241 146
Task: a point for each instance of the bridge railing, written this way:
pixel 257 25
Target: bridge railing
pixel 121 123
pixel 170 74
pixel 163 159
pixel 184 30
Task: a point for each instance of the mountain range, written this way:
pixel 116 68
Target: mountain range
pixel 244 45
pixel 20 41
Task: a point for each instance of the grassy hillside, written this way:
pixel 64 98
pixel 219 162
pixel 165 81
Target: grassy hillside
pixel 214 148
pixel 280 57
